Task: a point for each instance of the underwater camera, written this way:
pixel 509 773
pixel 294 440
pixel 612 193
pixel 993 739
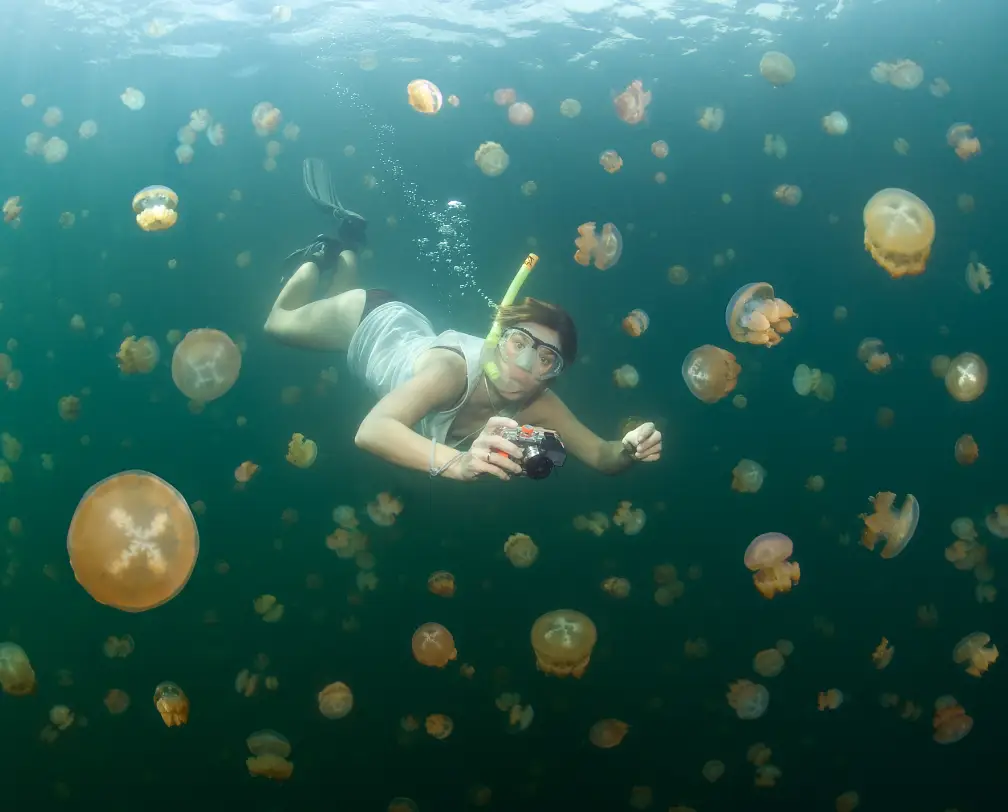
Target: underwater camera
pixel 542 450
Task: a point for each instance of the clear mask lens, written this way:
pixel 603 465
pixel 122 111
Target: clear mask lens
pixel 529 354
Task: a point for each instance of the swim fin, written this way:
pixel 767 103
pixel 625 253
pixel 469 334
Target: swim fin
pixel 323 251
pixel 318 183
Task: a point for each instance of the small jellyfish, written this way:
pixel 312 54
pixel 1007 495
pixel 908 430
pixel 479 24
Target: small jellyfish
pixel 997 522
pixel 974 650
pixel 659 149
pixel 156 208
pixel 16 674
pixel 777 68
pixel 871 353
pixel 12 209
pixel 205 364
pixel 335 700
pixel 610 161
pixel 766 557
pixel 775 146
pixel 172 703
pixel 788 194
pixel 960 137
pixel 966 378
pixel 805 380
pixel 244 472
pixel 835 123
pixel 133 99
pixel 883 654
pixel 138 356
pixel 424 96
pixel 678 275
pixel 905 74
pixel 749 699
pixel 603 248
pixel 829 700
pixel 521 551
pixel 266 119
pixel 754 316
pixel 626 377
pixel 747 476
pixel 384 510
pixel 768 663
pixel 433 645
pixel 269 755
pixel 895 526
pixel 570 108
pixel 713 770
pixel 441 583
pixel 951 724
pixel 491 159
pixel 901 146
pixel 521 114
pixel 504 96
pixel 608 733
pixel 632 103
pixel 635 323
pixel 710 373
pixel 631 519
pixel 711 119
pixel 617 587
pixel 899 231
pixel 88 129
pixel 439 726
pixel 978 278
pixel 966 450
pixel 563 641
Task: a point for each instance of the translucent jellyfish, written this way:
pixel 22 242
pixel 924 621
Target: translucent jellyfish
pixel 963 528
pixel 138 356
pixel 775 145
pixel 899 231
pixel 16 674
pixel 711 119
pixel 268 609
pixel 939 88
pixel 521 551
pixel 529 188
pixel 335 700
pixel 34 142
pixel 632 103
pixel 216 134
pixel 883 654
pixel 55 150
pixel 12 209
pixel 960 137
pixel 966 378
pixel 172 703
pixel 563 641
pixel 788 194
pixel 570 108
pixel 301 451
pixel 604 248
pixel 266 119
pixel 610 161
pixel 747 477
pixel 521 114
pixel 433 645
pixel 754 316
pixel 439 726
pixel 678 275
pixel 441 583
pixel 905 74
pixel 871 353
pixel 815 483
pixel 777 68
pixel 631 519
pixel 713 770
pixel 635 323
pixel 491 159
pixel 978 278
pixel 710 373
pixel 997 522
pixel 118 647
pixel 617 587
pixel 830 700
pixel 244 472
pixel 269 755
pixel 88 129
pixel 659 149
pixel 895 526
pixel 766 557
pixel 156 208
pixel 52 117
pixel 504 96
pixel 965 203
pixel 132 541
pixel 69 408
pixel 749 699
pixel 768 663
pixel 951 724
pixel 384 510
pixel 205 364
pixel 424 96
pixel 974 650
pixel 835 123
pixel 116 701
pixel 184 154
pixel 133 99
pixel 805 380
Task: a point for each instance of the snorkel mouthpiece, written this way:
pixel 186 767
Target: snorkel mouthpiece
pixel 490 345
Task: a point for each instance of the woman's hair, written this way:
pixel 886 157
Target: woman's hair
pixel 548 315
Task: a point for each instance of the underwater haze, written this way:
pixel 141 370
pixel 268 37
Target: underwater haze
pixel 662 157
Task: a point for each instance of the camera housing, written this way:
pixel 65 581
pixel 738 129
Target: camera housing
pixel 542 450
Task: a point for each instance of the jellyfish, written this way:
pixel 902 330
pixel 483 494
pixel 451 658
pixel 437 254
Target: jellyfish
pixel 768 663
pixel 632 103
pixel 766 557
pixel 951 724
pixel 749 699
pixel 244 472
pixel 905 74
pixel 504 96
pixel 12 209
pixel 871 353
pixel 805 380
pixel 335 700
pixel 16 674
pixel 55 150
pixel 711 119
pixel 978 278
pixel 754 316
pixel 266 118
pixel 635 323
pixel 529 188
pixel 441 583
pixel 710 373
pixel 521 551
pixel 521 114
pixel 777 68
pixel 570 108
pixel 973 649
pixel 678 275
pixel 631 519
pixel 603 248
pixel 747 476
pixel 901 146
pixel 788 194
pixel 960 138
pixel 269 755
pixel 424 96
pixel 138 356
pixel 835 123
pixel 88 129
pixel 563 641
pixel 966 378
pixel 491 159
pixel 172 703
pixel 69 408
pixel 997 522
pixel 156 208
pixel 617 587
pixel 216 134
pixel 116 701
pixel 433 645
pixel 205 364
pixel 899 231
pixel 830 700
pixel 883 654
pixel 659 149
pixel 268 609
pixel 895 526
pixel 775 146
pixel 610 161
pixel 963 528
pixel 133 99
pixel 133 541
pixel 439 726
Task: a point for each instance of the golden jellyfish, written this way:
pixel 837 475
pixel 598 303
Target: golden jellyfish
pixel 748 476
pixel 899 231
pixel 631 519
pixel 805 380
pixel 610 161
pixel 835 123
pixel 939 87
pixel 950 722
pixel 116 701
pixel 521 114
pixel 940 365
pixel 570 108
pixel 172 703
pixel 632 103
pixel 635 323
pixel 775 146
pixel 52 117
pixel 61 717
pixel 660 177
pixel 441 583
pixel 966 378
pixel 266 118
pixel 521 551
pixel 138 356
pixel 901 146
pixel 603 248
pixel 966 450
pixel 133 99
pixel 269 755
pixel 16 674
pixel 156 208
pixel 12 209
pixel 205 364
pixel 978 278
pixel 895 526
pixel 740 401
pixel 749 699
pixel 777 68
pixel 871 353
pixel 617 587
pixel 384 510
pixel 424 96
pixel 788 194
pixel 754 316
pixel 491 159
pixel 904 74
pixel 433 645
pixel 768 663
pixel 883 654
pixel 301 452
pixel 268 609
pixel 711 119
pixel 335 700
pixel 563 641
pixel 529 188
pixel 439 726
pixel 118 646
pixel 133 541
pixel 997 522
pixel 55 150
pixel 960 138
pixel 713 770
pixel 69 408
pixel 659 149
pixel 815 483
pixel 766 557
pixel 710 373
pixel 244 472
pixel 453 100
pixel 829 700
pixel 504 96
pixel 974 650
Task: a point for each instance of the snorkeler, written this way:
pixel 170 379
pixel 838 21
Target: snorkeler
pixel 438 392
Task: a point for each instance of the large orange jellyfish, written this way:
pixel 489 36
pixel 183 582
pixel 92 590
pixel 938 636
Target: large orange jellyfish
pixel 205 364
pixel 766 557
pixel 133 541
pixel 424 96
pixel 604 248
pixel 563 641
pixel 433 645
pixel 749 699
pixel 632 103
pixel 966 379
pixel 899 231
pixel 16 674
pixel 156 208
pixel 895 526
pixel 755 316
pixel 974 650
pixel 172 703
pixel 710 373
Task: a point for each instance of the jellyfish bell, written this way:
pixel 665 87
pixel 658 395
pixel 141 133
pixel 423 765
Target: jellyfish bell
pixel 710 373
pixel 424 96
pixel 835 123
pixel 777 68
pixel 899 231
pixel 521 114
pixel 491 159
pixel 16 674
pixel 895 526
pixel 563 641
pixel 205 364
pixel 172 703
pixel 905 75
pixel 156 208
pixel 632 103
pixel 966 379
pixel 754 316
pixel 133 541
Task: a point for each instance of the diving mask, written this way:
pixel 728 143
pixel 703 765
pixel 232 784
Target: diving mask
pixel 538 358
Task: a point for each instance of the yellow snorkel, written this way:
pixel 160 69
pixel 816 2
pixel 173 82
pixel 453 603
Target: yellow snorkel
pixel 490 366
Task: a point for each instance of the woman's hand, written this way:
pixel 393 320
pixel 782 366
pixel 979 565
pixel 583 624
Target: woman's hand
pixel 644 443
pixel 490 453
